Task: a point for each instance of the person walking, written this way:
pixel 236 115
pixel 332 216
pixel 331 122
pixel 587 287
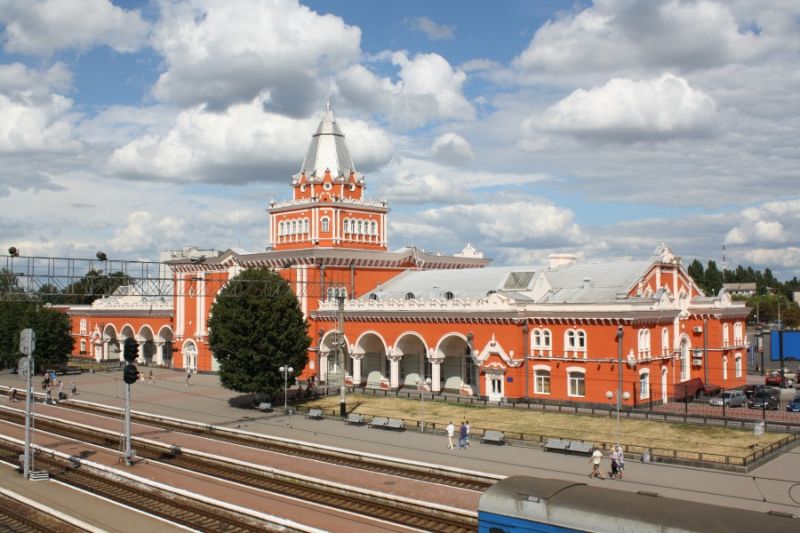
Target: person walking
pixel 451 431
pixel 12 395
pixel 150 376
pixel 188 376
pixel 462 436
pixel 620 461
pixel 466 440
pixel 73 388
pixel 595 460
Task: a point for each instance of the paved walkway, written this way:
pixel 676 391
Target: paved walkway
pixel 771 487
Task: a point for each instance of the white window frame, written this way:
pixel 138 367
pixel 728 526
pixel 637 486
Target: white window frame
pixel 725 336
pixel 644 384
pixel 738 339
pixel 82 328
pixel 665 341
pixel 575 343
pixel 571 370
pixel 544 373
pixel 724 368
pixel 644 343
pixel 347 225
pixel 325 224
pixel 738 364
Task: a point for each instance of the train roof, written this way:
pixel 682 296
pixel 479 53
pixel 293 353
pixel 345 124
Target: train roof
pixel 590 508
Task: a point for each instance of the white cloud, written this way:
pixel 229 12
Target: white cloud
pixel 620 36
pixel 491 226
pixel 144 230
pixel 434 32
pixel 32 86
pixel 36 128
pixel 628 110
pixel 452 148
pixel 788 257
pixel 428 89
pixel 241 145
pixel 772 223
pixel 221 53
pixel 41 27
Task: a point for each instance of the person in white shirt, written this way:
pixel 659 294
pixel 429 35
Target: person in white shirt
pixel 451 431
pixel 596 459
pixel 620 461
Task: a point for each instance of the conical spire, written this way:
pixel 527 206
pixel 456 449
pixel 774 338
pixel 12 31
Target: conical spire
pixel 328 150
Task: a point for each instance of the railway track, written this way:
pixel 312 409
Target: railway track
pixel 418 515
pixel 173 507
pixel 20 517
pixel 440 476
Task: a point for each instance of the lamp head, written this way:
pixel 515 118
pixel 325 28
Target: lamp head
pixel 609 394
pixel 626 395
pixel 101 256
pixel 13 252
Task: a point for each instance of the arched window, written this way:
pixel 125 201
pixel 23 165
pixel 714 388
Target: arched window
pixel 373 297
pixel 325 224
pixel 644 343
pixel 738 339
pixel 664 341
pixel 574 343
pixel 576 381
pixel 305 225
pixel 685 368
pixel 537 338
pixel 541 379
pixel 644 384
pixel 360 229
pixel 294 227
pixel 738 365
pixel 347 225
pixel 374 228
pixel 547 344
pixel 725 336
pixel 281 229
pixel 725 368
pixel 410 296
pixel 449 295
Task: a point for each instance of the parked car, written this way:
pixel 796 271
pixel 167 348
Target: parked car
pixel 794 405
pixel 731 398
pixel 750 390
pixel 765 399
pixel 776 380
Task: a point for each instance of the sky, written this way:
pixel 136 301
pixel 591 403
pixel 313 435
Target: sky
pixel 523 128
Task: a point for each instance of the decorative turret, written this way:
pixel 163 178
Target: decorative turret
pixel 327 207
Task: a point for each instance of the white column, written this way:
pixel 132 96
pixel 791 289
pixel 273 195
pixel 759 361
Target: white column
pixel 323 366
pixel 200 318
pixel 436 377
pixel 394 379
pixel 180 307
pixel 140 351
pixel 159 358
pixel 357 369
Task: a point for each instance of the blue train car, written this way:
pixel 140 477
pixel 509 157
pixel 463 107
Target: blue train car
pixel 521 504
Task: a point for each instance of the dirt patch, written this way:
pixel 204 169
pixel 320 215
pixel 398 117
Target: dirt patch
pixel 686 441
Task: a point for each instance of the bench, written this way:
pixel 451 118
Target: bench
pixel 396 424
pixel 378 422
pixel 316 414
pixel 265 407
pixel 493 437
pixel 354 418
pixel 568 446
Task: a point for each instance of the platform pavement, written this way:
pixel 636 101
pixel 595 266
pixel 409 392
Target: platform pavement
pixel 206 401
pixel 99 513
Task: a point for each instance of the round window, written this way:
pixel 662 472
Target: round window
pixel 327 186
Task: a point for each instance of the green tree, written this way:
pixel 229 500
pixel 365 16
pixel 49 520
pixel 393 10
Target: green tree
pixel 256 326
pixel 713 281
pixel 94 285
pixel 54 341
pixel 697 273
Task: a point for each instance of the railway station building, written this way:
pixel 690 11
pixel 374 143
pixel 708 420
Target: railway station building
pixel 558 332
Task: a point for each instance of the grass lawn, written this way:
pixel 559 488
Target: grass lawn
pixel 681 440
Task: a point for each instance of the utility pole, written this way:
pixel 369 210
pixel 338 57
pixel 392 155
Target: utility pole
pixel 341 294
pixel 27 345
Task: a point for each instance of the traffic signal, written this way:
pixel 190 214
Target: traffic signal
pixel 130 350
pixel 130 374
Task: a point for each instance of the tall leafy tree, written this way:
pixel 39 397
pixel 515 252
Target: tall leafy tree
pixel 697 273
pixel 713 281
pixel 257 326
pixel 94 285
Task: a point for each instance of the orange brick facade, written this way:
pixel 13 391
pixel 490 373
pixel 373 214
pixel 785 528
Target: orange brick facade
pixel 493 345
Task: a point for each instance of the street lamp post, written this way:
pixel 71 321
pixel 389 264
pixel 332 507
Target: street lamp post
pixel 422 386
pixel 340 294
pixel 620 395
pixel 286 371
pixel 624 396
